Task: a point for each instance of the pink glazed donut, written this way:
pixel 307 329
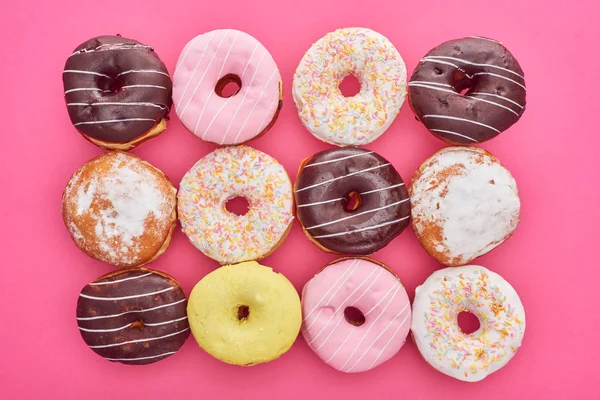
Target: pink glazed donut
pixel 207 64
pixel 356 314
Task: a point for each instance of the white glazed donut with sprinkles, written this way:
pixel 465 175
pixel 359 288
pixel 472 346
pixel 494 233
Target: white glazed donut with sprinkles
pixel 226 173
pixel 357 120
pixel 475 289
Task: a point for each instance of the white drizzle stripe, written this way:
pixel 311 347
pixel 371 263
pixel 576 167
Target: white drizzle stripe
pixel 130 312
pixel 482 38
pixel 114 120
pixel 475 64
pixel 341 346
pixel 202 77
pixel 341 198
pixel 326 293
pixel 119 46
pixel 499 97
pixel 111 103
pixel 212 91
pixel 342 304
pixel 77 71
pixel 380 335
pixel 461 119
pixel 468 97
pixel 86 90
pixel 355 264
pixel 342 177
pixel 389 341
pixel 361 229
pixel 142 358
pixel 129 325
pixel 455 134
pixel 195 69
pixel 180 63
pixel 372 325
pixel 135 296
pixel 103 346
pixel 382 189
pixel 393 287
pixel 448 63
pixel 338 159
pixel 149 71
pixel 429 83
pixel 266 115
pixel 357 215
pixel 237 110
pixel 142 86
pixel 262 93
pixel 119 280
pixel 502 77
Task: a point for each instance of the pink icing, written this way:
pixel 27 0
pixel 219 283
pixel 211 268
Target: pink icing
pixel 377 293
pixel 206 59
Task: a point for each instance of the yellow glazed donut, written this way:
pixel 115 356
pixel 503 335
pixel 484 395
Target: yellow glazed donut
pixel 244 314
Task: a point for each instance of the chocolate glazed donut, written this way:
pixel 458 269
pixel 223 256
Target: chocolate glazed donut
pixel 495 97
pixel 351 201
pixel 136 316
pixel 117 90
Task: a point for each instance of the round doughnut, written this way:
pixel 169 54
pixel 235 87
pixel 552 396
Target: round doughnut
pixel 477 290
pixel 356 314
pixel 226 173
pixel 245 314
pixel 206 65
pixel 120 209
pixel 118 92
pixel 356 120
pixel 324 189
pixel 464 204
pixel 135 316
pixel 495 84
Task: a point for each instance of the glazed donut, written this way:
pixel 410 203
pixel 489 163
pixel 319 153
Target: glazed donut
pixel 245 314
pixel 356 314
pixel 496 90
pixel 134 316
pixel 118 92
pixel 120 209
pixel 226 173
pixel 206 65
pixel 357 120
pixel 325 185
pixel 435 330
pixel 464 204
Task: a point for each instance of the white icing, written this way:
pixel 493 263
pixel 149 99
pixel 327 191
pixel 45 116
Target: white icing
pixel 143 71
pixel 120 280
pixel 460 119
pixel 357 214
pixel 85 195
pixel 339 159
pixel 142 358
pixel 118 103
pixel 454 133
pixel 342 177
pixel 142 86
pixel 368 228
pixel 499 97
pixel 133 296
pixel 502 77
pixel 475 64
pixel 129 325
pixel 78 71
pixel 107 121
pixel 130 312
pixel 477 207
pixel 139 340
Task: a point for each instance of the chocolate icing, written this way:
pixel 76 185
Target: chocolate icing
pixel 97 64
pixel 322 179
pixel 492 103
pixel 168 305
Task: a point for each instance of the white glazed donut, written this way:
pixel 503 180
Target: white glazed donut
pixel 226 173
pixel 357 120
pixel 467 357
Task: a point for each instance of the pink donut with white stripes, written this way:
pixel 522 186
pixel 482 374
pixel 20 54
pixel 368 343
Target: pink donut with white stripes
pixel 209 63
pixel 356 314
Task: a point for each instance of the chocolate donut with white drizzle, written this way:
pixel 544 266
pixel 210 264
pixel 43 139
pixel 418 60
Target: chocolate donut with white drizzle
pixel 495 97
pixel 117 90
pixel 351 201
pixel 136 316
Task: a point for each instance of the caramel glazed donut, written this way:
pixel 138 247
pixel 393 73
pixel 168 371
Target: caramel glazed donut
pixel 118 92
pixel 495 99
pixel 326 184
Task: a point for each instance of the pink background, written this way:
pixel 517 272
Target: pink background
pixel 552 152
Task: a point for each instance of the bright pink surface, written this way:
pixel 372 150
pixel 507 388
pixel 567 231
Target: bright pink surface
pixel 552 152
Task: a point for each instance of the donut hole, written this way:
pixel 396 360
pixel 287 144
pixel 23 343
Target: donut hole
pixel 237 205
pixel 462 83
pixel 228 86
pixel 115 85
pixel 243 312
pixel 349 86
pixel 468 322
pixel 351 201
pixel 354 316
pixel 137 324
